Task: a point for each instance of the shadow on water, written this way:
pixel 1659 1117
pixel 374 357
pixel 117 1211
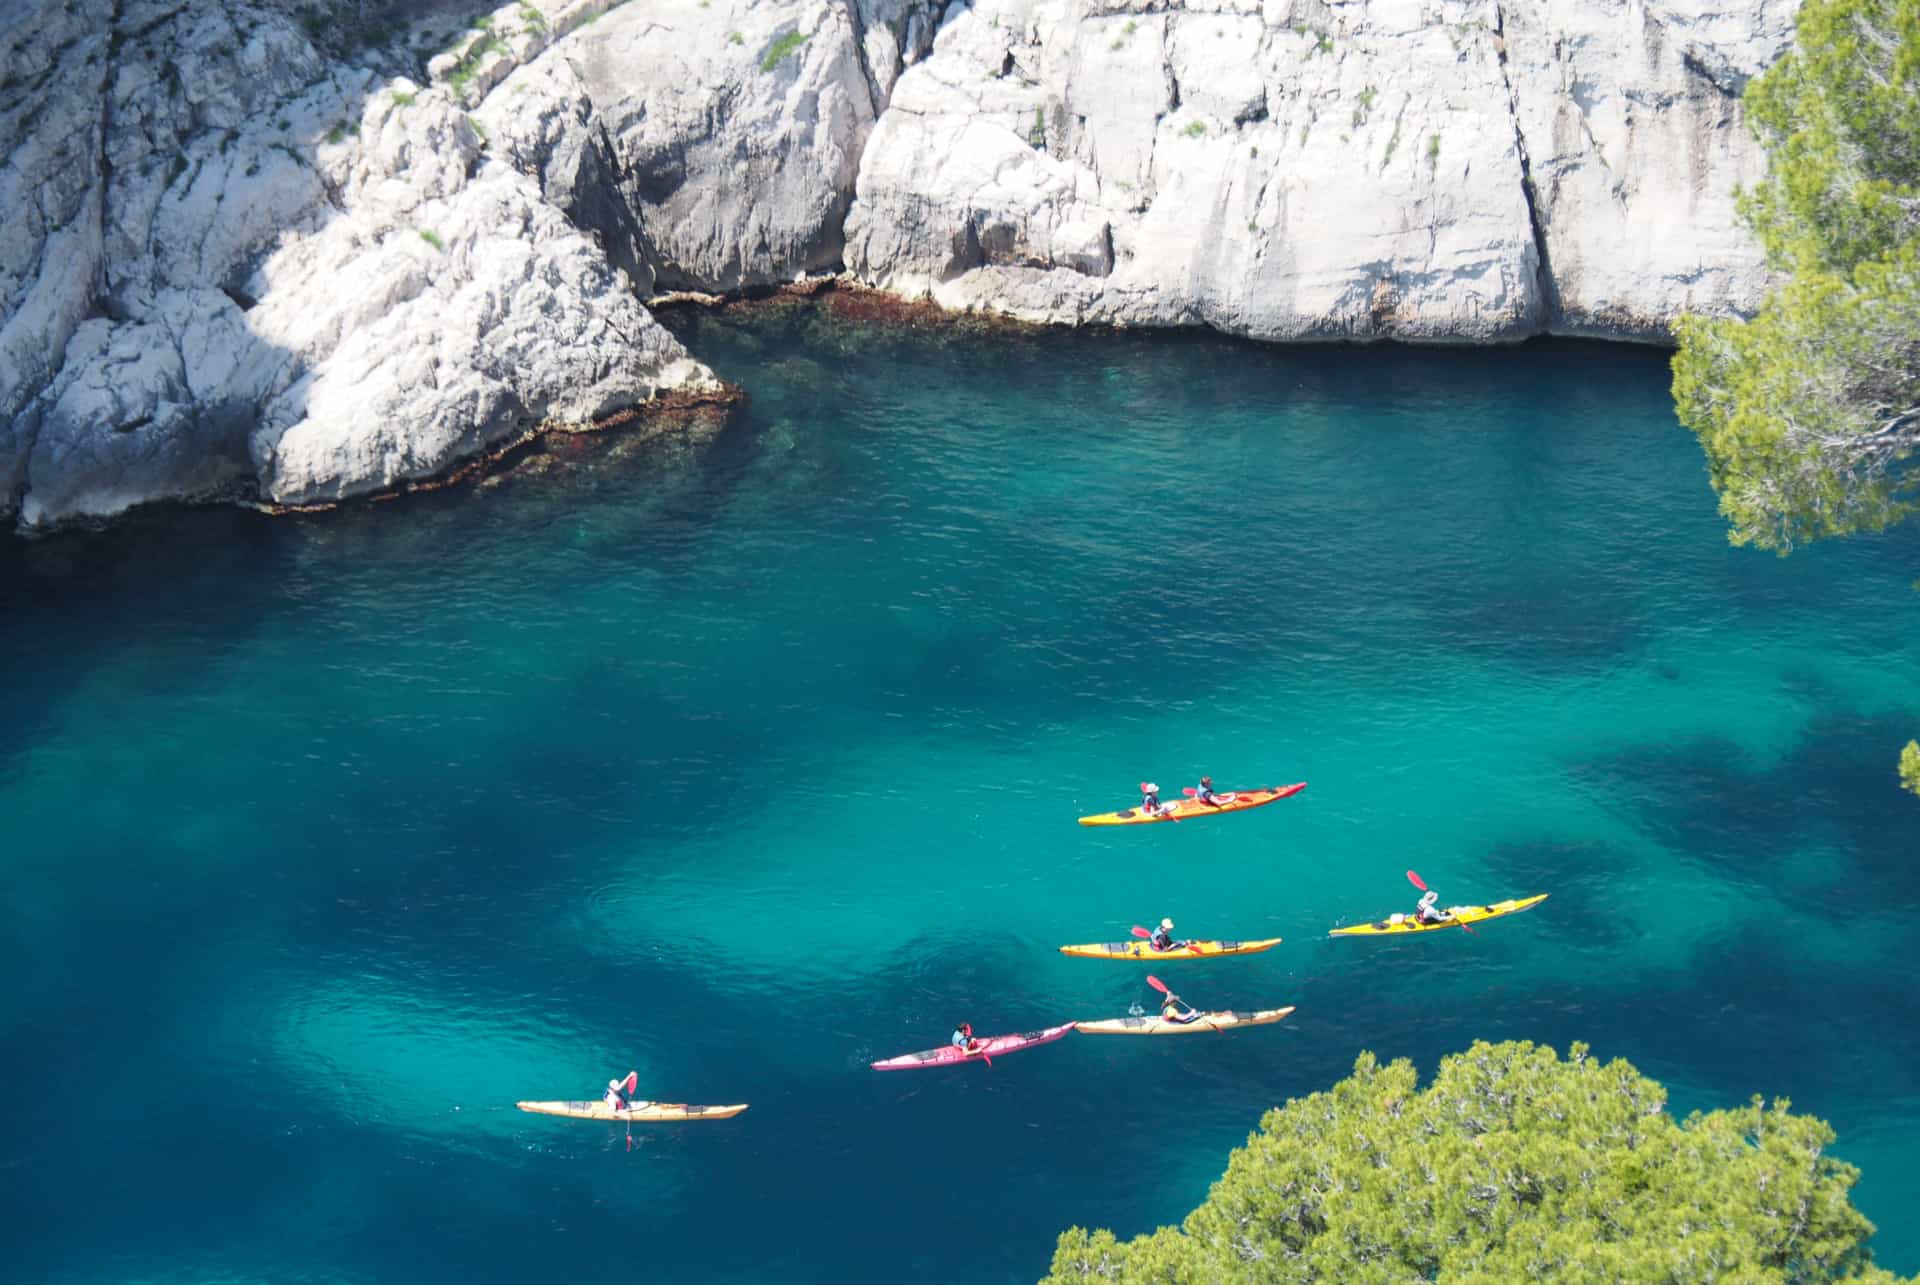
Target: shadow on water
pixel 1834 789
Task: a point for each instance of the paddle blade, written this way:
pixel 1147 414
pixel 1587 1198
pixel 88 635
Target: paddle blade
pixel 1140 932
pixel 1416 881
pixel 1157 984
pixel 1190 792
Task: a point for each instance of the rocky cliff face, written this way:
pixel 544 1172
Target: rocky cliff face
pixel 1450 169
pixel 252 253
pixel 250 269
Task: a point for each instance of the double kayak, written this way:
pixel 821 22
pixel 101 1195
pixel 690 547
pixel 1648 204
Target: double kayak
pixel 1185 950
pixel 951 1054
pixel 1456 915
pixel 1225 1021
pixel 650 1111
pixel 1237 801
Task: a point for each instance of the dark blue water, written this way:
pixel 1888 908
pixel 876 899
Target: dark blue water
pixel 745 757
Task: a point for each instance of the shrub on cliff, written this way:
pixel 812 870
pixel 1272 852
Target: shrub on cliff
pixel 1512 1165
pixel 1809 411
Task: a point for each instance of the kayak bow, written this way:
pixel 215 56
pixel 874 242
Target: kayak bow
pixel 1185 809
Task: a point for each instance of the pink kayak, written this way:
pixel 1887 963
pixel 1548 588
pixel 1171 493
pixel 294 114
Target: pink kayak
pixel 990 1048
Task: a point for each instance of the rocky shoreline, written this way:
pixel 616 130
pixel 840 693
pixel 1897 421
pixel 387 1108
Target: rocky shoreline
pixel 290 254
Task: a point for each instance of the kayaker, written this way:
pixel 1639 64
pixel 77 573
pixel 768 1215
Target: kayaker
pixel 1429 912
pixel 1176 1010
pixel 1205 793
pixel 963 1038
pixel 1150 800
pixel 620 1092
pixel 1162 937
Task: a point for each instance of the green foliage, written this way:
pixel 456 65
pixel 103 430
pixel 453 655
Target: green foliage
pixel 1809 412
pixel 780 49
pixel 402 100
pixel 1910 767
pixel 535 21
pixel 1037 135
pixel 432 238
pixel 469 66
pixel 338 132
pixel 735 38
pixel 1195 129
pixel 1365 106
pixel 1433 151
pixel 1511 1165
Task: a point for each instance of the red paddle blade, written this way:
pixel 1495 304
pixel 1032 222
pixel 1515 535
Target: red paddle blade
pixel 1157 984
pixel 1416 881
pixel 1138 931
pixel 1190 792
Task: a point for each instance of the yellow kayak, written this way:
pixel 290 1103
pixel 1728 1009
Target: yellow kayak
pixel 1186 809
pixel 649 1111
pixel 1185 950
pixel 1457 915
pixel 1225 1021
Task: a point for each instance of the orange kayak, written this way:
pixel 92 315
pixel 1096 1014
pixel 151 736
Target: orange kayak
pixel 1185 809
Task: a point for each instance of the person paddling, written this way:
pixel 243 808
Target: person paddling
pixel 1428 911
pixel 620 1092
pixel 1150 799
pixel 963 1038
pixel 1176 1010
pixel 1162 937
pixel 1205 793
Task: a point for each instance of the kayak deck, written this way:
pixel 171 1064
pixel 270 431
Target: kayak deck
pixel 1457 915
pixel 1185 950
pixel 1144 1025
pixel 992 1047
pixel 651 1111
pixel 1234 801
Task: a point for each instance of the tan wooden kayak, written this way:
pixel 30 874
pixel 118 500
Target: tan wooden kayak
pixel 1185 950
pixel 1225 1021
pixel 650 1111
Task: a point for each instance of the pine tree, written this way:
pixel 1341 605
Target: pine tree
pixel 1512 1165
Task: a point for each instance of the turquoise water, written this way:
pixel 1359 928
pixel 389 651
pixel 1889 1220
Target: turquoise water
pixel 745 760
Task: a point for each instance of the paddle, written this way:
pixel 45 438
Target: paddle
pixel 1421 884
pixel 1161 986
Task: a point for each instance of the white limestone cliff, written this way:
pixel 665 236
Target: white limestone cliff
pixel 1416 169
pixel 238 264
pixel 250 270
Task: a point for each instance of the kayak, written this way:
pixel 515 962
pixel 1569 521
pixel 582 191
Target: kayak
pixel 1238 801
pixel 1458 915
pixel 1185 950
pixel 651 1111
pixel 1205 1022
pixel 949 1055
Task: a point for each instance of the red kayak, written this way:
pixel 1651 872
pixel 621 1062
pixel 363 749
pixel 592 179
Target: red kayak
pixel 990 1048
